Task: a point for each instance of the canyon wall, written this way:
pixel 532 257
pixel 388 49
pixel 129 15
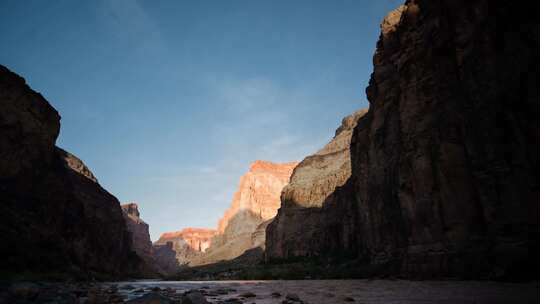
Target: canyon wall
pixel 302 226
pixel 188 243
pixel 140 234
pixel 256 201
pixel 164 257
pixel 56 216
pixel 444 166
pixel 243 224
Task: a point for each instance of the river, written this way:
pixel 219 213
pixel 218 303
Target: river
pixel 343 291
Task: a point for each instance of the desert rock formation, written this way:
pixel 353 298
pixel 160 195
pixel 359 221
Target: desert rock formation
pixel 320 174
pixel 57 218
pixel 256 201
pixel 188 243
pixel 242 226
pixel 300 229
pixel 139 231
pixel 164 257
pixel 445 163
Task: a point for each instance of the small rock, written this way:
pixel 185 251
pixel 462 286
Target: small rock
pixel 152 298
pixel 248 295
pixel 194 297
pixel 292 297
pixel 26 291
pixel 275 294
pixel 222 291
pixel 348 299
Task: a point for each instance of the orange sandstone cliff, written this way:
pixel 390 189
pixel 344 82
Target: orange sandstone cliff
pixel 254 203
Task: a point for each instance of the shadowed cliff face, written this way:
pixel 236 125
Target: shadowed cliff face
pixel 445 164
pixel 57 218
pixel 139 231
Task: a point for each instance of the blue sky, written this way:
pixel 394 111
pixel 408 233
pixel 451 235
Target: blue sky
pixel 169 101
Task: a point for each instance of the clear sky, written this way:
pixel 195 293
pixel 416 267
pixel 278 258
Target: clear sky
pixel 168 102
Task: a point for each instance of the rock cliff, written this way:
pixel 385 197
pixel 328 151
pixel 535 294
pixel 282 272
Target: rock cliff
pixel 301 227
pixel 165 258
pixel 56 217
pixel 188 243
pixel 139 230
pixel 445 163
pixel 242 226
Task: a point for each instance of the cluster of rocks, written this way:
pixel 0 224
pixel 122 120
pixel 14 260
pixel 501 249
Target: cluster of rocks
pixel 97 293
pixel 61 293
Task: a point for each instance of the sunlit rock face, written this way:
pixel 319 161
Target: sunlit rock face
pixel 256 201
pixel 444 166
pixel 188 243
pixel 318 175
pixel 300 227
pixel 57 218
pixel 140 234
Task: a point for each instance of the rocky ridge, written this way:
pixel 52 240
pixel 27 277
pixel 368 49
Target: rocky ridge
pixel 444 175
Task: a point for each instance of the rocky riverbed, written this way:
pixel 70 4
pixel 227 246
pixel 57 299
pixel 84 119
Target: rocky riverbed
pixel 266 292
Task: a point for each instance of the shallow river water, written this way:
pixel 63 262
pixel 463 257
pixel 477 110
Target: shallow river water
pixel 345 291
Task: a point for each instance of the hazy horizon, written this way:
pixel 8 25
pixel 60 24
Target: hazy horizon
pixel 168 103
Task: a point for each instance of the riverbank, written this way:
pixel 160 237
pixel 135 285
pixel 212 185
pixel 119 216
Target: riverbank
pixel 268 292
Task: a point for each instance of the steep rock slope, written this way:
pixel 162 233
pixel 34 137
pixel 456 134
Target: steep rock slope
pixel 164 256
pixel 56 217
pixel 445 164
pixel 139 230
pixel 301 227
pixel 256 201
pixel 188 242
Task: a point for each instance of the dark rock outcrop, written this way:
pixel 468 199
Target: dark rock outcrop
pixel 445 164
pixel 56 217
pixel 165 258
pixel 140 234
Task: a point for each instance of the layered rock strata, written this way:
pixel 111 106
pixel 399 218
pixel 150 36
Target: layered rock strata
pixel 188 243
pixel 242 226
pixel 56 217
pixel 256 201
pixel 445 163
pixel 302 225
